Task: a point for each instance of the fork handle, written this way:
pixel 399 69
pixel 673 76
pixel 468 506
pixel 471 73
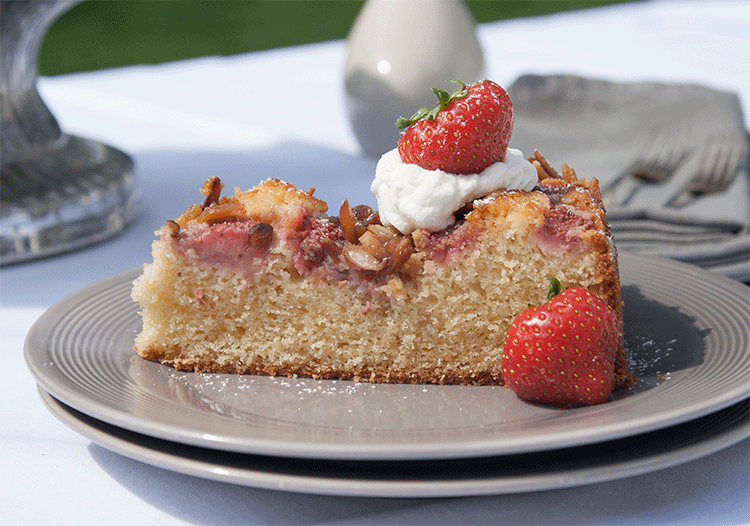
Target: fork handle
pixel 623 190
pixel 681 199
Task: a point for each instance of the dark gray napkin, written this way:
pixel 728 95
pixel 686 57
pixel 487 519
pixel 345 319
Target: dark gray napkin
pixel 600 127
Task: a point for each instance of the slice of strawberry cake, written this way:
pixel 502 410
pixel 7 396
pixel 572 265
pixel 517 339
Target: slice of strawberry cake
pixel 422 290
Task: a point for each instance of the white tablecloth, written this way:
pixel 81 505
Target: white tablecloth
pixel 280 113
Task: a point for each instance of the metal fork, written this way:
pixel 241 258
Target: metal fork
pixel 663 154
pixel 721 160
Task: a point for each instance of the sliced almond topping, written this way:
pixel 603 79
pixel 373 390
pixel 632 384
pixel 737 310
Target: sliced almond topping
pixel 413 265
pixel 568 174
pixel 359 256
pixel 375 219
pixel 212 190
pixel 421 238
pixel 359 229
pixel 174 227
pixel 374 244
pixel 545 165
pixel 385 232
pixel 401 251
pixel 347 220
pixel 188 215
pixel 541 174
pixel 595 189
pixel 387 245
pixel 224 211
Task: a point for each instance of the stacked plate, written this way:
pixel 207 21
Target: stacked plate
pixel 687 333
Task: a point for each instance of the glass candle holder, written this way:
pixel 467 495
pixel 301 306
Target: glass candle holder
pixel 58 192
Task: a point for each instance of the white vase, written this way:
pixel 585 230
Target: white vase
pixel 398 50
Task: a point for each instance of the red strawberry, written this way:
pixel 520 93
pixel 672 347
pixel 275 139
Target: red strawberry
pixel 464 134
pixel 562 352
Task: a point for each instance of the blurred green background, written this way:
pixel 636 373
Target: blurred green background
pixel 98 34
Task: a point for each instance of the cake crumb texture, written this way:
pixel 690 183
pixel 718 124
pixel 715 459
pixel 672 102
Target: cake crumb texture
pixel 440 319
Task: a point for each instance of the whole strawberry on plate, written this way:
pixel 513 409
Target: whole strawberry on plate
pixel 465 133
pixel 563 351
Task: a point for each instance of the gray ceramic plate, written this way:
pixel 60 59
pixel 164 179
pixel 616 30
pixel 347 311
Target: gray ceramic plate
pixel 687 332
pixel 559 468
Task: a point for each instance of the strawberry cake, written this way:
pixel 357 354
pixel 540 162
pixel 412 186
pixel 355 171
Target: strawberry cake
pixel 422 290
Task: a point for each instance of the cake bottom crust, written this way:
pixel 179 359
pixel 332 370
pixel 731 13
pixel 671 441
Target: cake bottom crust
pixel 321 372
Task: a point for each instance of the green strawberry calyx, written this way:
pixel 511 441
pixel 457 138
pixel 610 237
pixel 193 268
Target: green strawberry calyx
pixel 554 289
pixel 444 99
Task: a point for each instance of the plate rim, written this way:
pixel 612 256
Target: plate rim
pixel 174 457
pixel 480 447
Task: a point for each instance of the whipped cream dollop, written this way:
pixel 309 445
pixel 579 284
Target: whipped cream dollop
pixel 410 197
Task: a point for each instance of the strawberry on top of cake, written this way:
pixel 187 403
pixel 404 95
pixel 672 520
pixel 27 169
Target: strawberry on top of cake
pixel 448 156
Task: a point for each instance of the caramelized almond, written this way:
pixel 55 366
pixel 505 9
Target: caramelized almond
pixel 385 232
pixel 568 174
pixel 594 189
pixel 540 173
pixel 374 244
pixel 212 190
pixel 347 220
pixel 375 219
pixel 362 213
pixel 260 236
pixel 545 165
pixel 400 254
pixel 413 265
pixel 226 211
pixel 421 238
pixel 359 229
pixel 188 215
pixel 357 255
pixel 174 228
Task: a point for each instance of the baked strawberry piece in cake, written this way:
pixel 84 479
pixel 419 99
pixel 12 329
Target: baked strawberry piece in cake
pixel 422 290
